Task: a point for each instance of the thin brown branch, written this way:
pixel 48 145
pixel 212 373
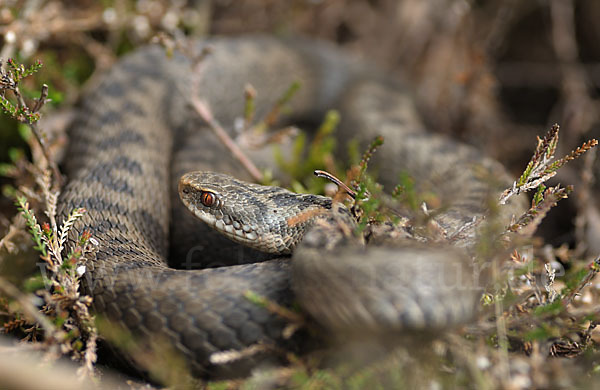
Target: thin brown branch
pixel 594 269
pixel 275 308
pixel 334 179
pixel 203 110
pixel 39 135
pixel 14 229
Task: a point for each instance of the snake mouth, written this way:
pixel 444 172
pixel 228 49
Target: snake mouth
pixel 227 226
pixel 234 229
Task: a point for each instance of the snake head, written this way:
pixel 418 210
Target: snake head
pixel 269 219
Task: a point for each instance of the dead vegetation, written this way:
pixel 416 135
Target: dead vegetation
pixel 492 74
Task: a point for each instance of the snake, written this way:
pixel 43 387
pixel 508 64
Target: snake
pixel 163 272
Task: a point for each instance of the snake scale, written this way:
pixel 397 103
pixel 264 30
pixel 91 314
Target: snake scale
pixel 136 135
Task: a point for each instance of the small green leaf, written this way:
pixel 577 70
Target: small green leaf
pixel 24 132
pixel 539 195
pixel 9 191
pixel 34 228
pixel 34 283
pixel 408 195
pixel 553 308
pixel 539 333
pixel 255 298
pixel 54 96
pixel 15 154
pixel 8 107
pixel 289 93
pixel 7 169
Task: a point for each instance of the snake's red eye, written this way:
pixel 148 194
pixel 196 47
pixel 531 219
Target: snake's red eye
pixel 207 198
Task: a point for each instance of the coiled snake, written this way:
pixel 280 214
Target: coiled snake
pixel 136 135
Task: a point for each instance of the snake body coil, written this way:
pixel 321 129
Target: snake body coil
pixel 136 135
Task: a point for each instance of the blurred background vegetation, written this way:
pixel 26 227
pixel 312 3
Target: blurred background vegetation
pixel 493 74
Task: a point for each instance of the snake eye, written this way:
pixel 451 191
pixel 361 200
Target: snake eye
pixel 207 198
